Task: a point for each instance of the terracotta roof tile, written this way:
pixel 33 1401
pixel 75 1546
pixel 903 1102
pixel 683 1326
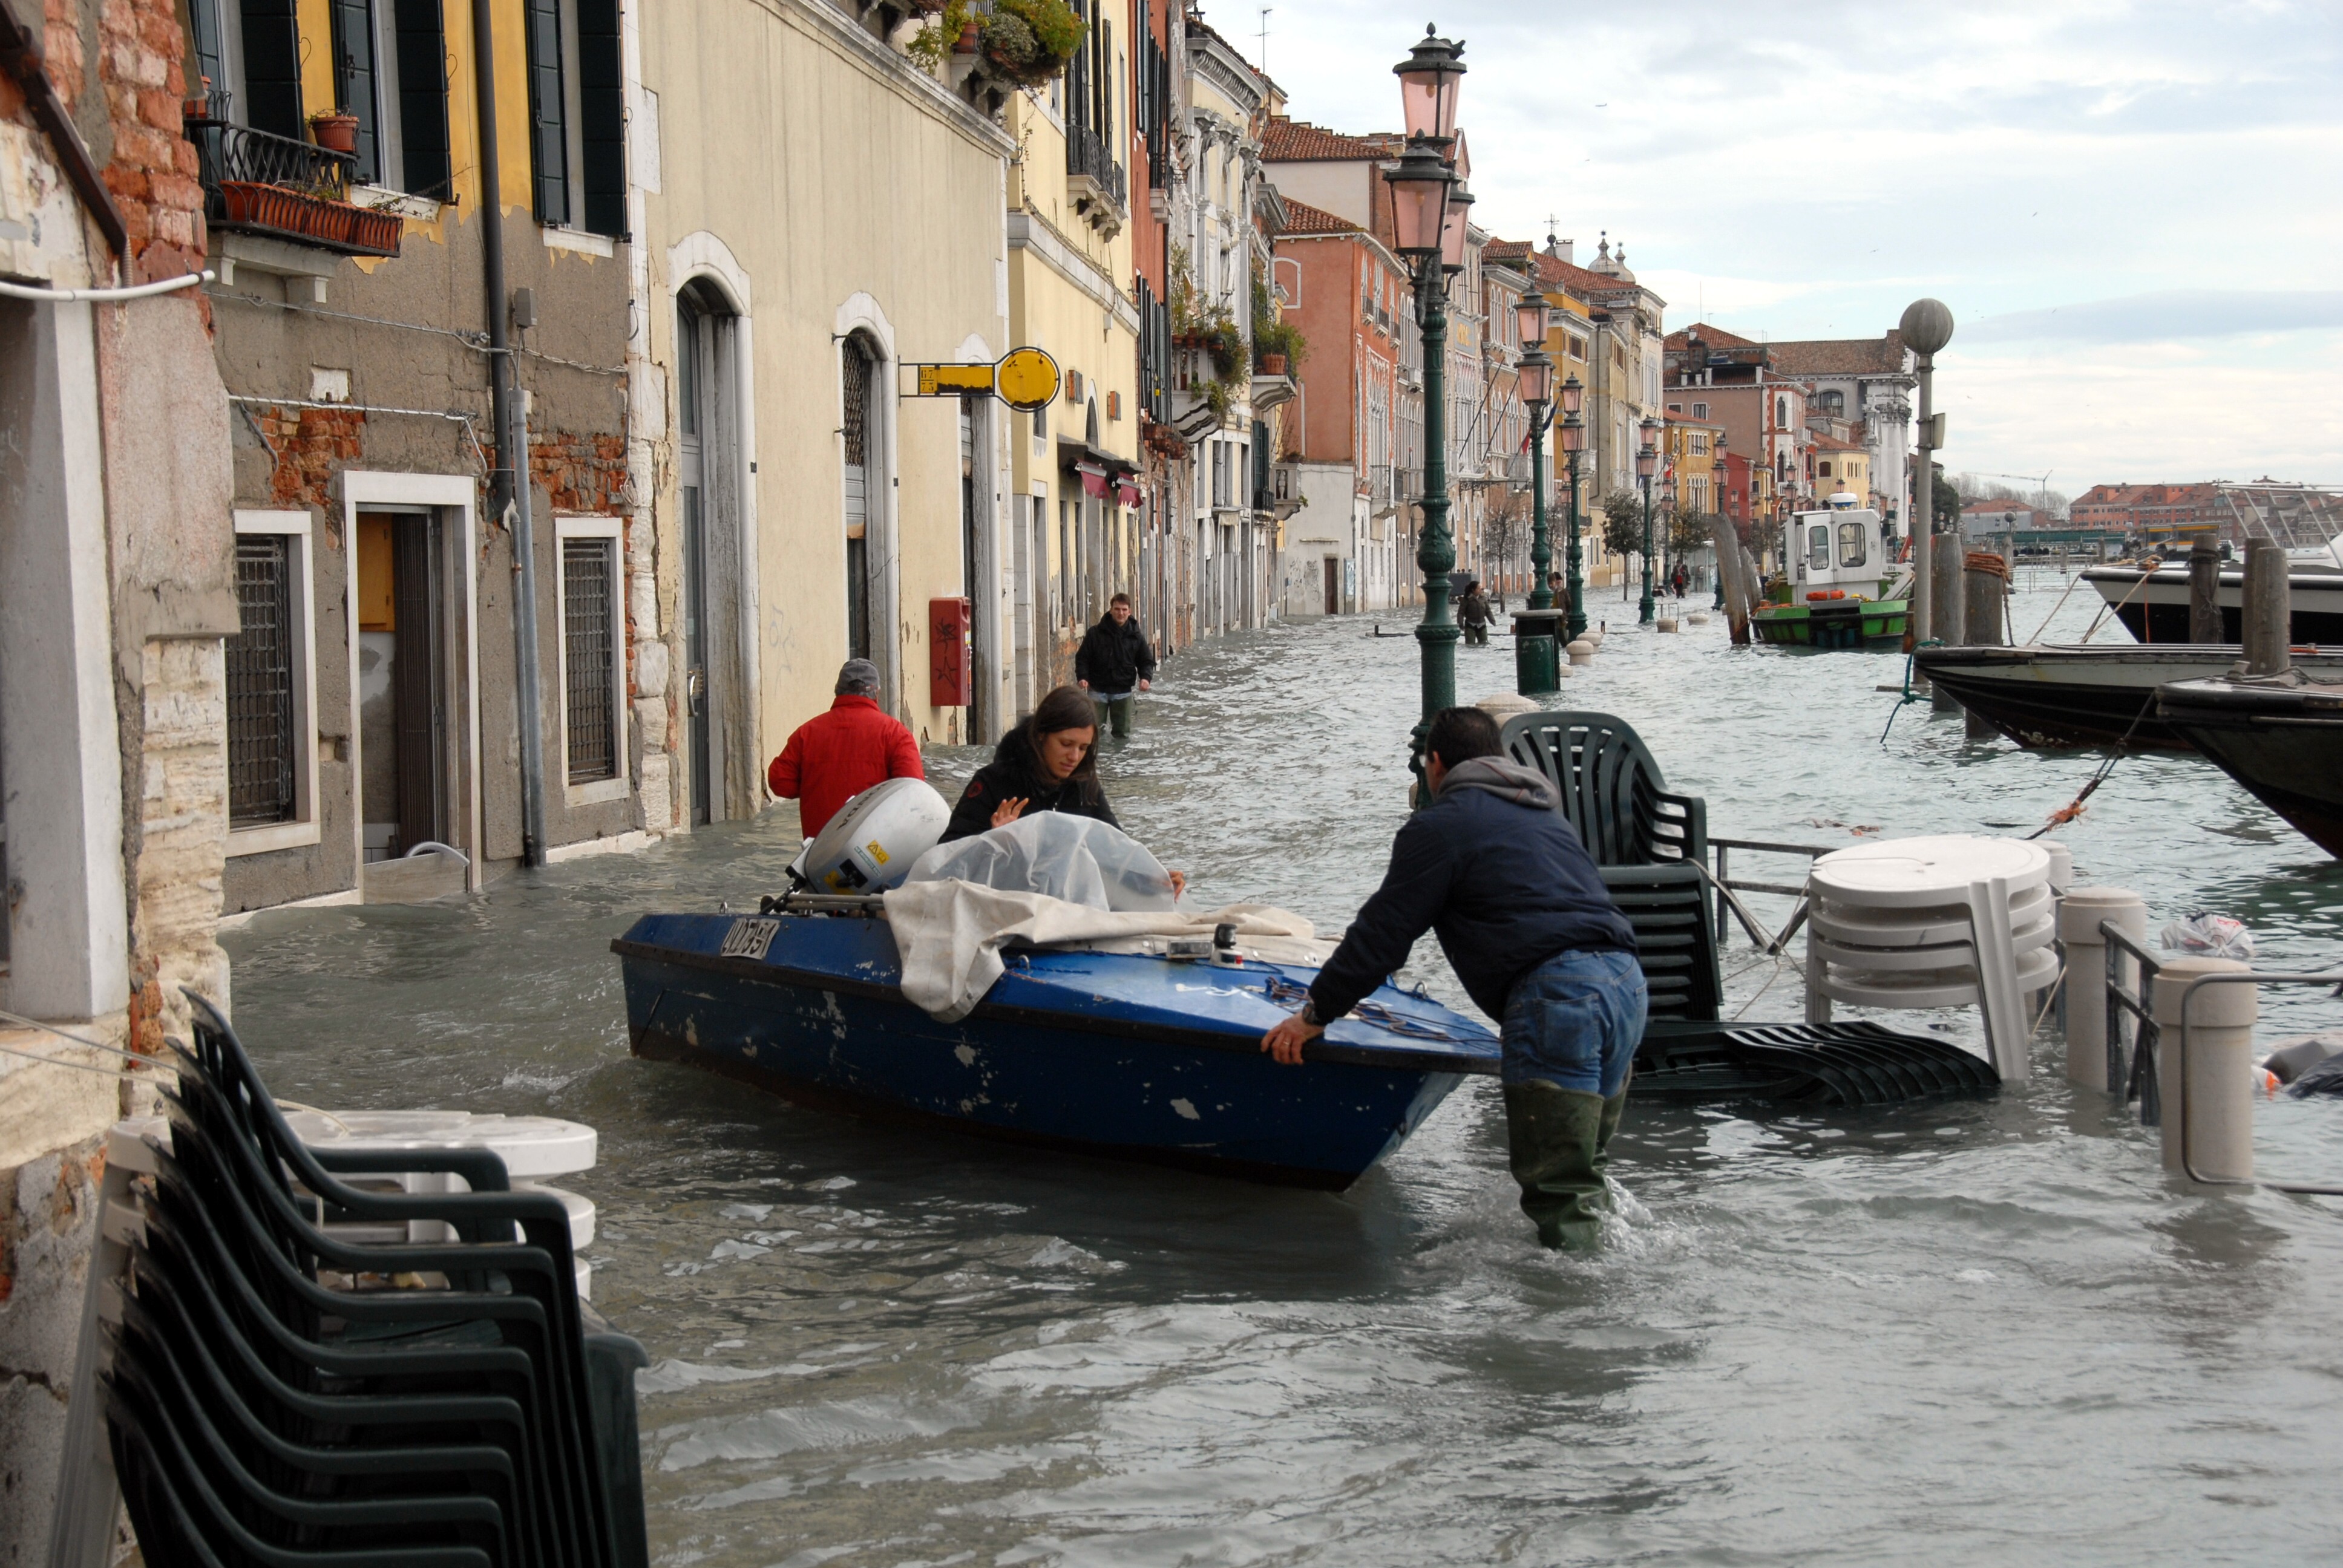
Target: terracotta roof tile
pixel 1301 217
pixel 1300 142
pixel 1839 356
pixel 1714 335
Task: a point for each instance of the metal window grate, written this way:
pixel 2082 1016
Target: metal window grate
pixel 260 737
pixel 586 619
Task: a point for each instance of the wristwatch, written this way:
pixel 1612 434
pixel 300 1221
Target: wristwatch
pixel 1309 1014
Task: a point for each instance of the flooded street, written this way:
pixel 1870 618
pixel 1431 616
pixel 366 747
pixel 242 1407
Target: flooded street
pixel 1980 1332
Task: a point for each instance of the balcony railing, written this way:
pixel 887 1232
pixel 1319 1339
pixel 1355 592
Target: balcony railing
pixel 256 182
pixel 1090 164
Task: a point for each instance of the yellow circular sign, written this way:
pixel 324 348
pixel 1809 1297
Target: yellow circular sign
pixel 1026 379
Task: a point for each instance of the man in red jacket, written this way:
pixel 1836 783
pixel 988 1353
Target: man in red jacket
pixel 832 759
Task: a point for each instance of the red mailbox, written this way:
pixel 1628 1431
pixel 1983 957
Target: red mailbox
pixel 951 654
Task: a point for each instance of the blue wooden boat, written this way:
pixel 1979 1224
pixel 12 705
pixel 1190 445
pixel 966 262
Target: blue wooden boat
pixel 1131 1056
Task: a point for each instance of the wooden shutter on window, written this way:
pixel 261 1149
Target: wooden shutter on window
pixel 548 141
pixel 422 47
pixel 602 103
pixel 354 86
pixel 272 69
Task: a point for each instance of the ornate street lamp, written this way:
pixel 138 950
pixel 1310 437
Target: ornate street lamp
pixel 1733 530
pixel 1534 379
pixel 1574 442
pixel 1422 185
pixel 1647 463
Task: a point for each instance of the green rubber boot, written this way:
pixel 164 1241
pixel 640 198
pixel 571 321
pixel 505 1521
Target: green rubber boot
pixel 1556 1138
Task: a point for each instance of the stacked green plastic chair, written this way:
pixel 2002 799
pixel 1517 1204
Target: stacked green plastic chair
pixel 278 1394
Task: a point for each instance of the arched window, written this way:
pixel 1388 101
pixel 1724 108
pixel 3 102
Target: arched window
pixel 1831 402
pixel 1782 413
pixel 856 361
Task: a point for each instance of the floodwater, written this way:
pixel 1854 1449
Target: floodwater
pixel 1968 1333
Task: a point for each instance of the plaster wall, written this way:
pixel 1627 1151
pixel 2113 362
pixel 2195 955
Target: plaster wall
pixel 861 198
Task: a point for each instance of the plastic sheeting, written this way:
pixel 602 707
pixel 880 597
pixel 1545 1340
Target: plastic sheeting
pixel 1074 859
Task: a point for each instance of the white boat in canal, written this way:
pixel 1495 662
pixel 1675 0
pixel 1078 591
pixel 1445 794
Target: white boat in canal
pixel 2157 611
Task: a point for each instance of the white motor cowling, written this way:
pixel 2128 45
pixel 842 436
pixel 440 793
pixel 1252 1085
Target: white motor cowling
pixel 870 845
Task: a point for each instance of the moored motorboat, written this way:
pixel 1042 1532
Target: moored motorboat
pixel 1841 589
pixel 2280 737
pixel 2083 694
pixel 2153 603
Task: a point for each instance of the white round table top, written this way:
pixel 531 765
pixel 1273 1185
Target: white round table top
pixel 1936 870
pixel 531 1146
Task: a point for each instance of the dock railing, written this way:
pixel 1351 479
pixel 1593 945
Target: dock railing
pixel 1726 887
pixel 2138 1075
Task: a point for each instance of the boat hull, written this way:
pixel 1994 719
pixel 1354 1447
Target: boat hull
pixel 2158 612
pixel 1122 1056
pixel 2081 695
pixel 1875 624
pixel 2283 745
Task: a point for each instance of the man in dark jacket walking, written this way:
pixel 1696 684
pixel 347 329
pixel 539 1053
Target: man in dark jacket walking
pixel 1114 661
pixel 1522 913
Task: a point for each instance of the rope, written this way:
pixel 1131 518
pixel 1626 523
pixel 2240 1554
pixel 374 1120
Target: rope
pixel 2147 569
pixel 2074 808
pixel 1909 696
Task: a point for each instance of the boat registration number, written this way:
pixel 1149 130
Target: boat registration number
pixel 749 939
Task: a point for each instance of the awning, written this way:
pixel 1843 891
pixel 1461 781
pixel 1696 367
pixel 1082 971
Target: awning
pixel 1126 493
pixel 1094 478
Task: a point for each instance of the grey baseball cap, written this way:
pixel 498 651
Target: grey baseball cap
pixel 858 677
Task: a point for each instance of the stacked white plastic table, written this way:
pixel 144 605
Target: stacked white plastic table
pixel 1952 920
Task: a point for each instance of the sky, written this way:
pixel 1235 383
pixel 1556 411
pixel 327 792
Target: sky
pixel 2135 212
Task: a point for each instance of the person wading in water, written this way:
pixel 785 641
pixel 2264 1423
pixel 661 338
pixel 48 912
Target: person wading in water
pixel 1527 925
pixel 1114 661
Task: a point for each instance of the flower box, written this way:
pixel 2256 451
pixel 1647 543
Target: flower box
pixel 374 229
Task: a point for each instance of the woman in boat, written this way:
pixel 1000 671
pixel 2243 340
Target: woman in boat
pixel 1048 763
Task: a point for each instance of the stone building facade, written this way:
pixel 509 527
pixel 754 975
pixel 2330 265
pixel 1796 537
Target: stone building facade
pixel 117 597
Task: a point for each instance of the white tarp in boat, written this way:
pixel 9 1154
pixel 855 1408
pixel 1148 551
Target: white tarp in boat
pixel 1076 859
pixel 1006 886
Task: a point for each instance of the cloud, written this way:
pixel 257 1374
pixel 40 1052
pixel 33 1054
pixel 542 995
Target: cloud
pixel 2165 317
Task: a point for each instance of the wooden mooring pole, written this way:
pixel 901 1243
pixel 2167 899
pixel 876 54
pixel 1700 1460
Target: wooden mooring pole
pixel 1947 620
pixel 2205 591
pixel 2267 621
pixel 1983 593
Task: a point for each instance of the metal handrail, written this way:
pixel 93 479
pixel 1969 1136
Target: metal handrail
pixel 1771 944
pixel 2189 994
pixel 1086 155
pixel 227 151
pixel 2136 1070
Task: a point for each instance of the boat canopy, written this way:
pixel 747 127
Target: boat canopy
pixel 1074 859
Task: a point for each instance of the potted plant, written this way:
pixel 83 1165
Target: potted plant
pixel 1028 42
pixel 335 132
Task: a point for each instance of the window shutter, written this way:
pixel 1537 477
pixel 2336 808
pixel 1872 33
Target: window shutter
pixel 272 68
pixel 423 96
pixel 353 74
pixel 548 141
pixel 602 103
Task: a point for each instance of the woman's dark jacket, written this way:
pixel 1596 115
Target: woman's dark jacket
pixel 1114 658
pixel 1014 774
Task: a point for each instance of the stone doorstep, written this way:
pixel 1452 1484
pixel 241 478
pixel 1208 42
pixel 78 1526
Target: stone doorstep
pixel 414 880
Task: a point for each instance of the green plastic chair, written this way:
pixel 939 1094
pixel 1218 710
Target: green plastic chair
pixel 1610 788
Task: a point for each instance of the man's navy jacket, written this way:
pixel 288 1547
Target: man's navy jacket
pixel 1501 876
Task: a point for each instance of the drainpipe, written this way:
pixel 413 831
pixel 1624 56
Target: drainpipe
pixel 508 484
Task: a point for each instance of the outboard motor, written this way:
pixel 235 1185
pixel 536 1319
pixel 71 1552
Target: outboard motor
pixel 870 845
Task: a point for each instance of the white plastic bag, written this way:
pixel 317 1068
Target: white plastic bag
pixel 2206 935
pixel 1077 858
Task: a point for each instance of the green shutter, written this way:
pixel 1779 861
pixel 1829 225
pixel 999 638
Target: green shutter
pixel 422 96
pixel 354 81
pixel 272 69
pixel 548 140
pixel 601 105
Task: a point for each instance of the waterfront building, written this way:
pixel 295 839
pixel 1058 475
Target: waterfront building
pixel 1869 385
pixel 120 573
pixel 790 265
pixel 1348 292
pixel 1075 519
pixel 2295 515
pixel 376 688
pixel 1841 466
pixel 1717 375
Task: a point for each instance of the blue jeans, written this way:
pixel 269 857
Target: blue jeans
pixel 1575 1022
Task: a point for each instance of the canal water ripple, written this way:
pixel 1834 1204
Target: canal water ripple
pixel 1970 1332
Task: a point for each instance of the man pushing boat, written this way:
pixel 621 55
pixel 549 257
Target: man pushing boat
pixel 1501 876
